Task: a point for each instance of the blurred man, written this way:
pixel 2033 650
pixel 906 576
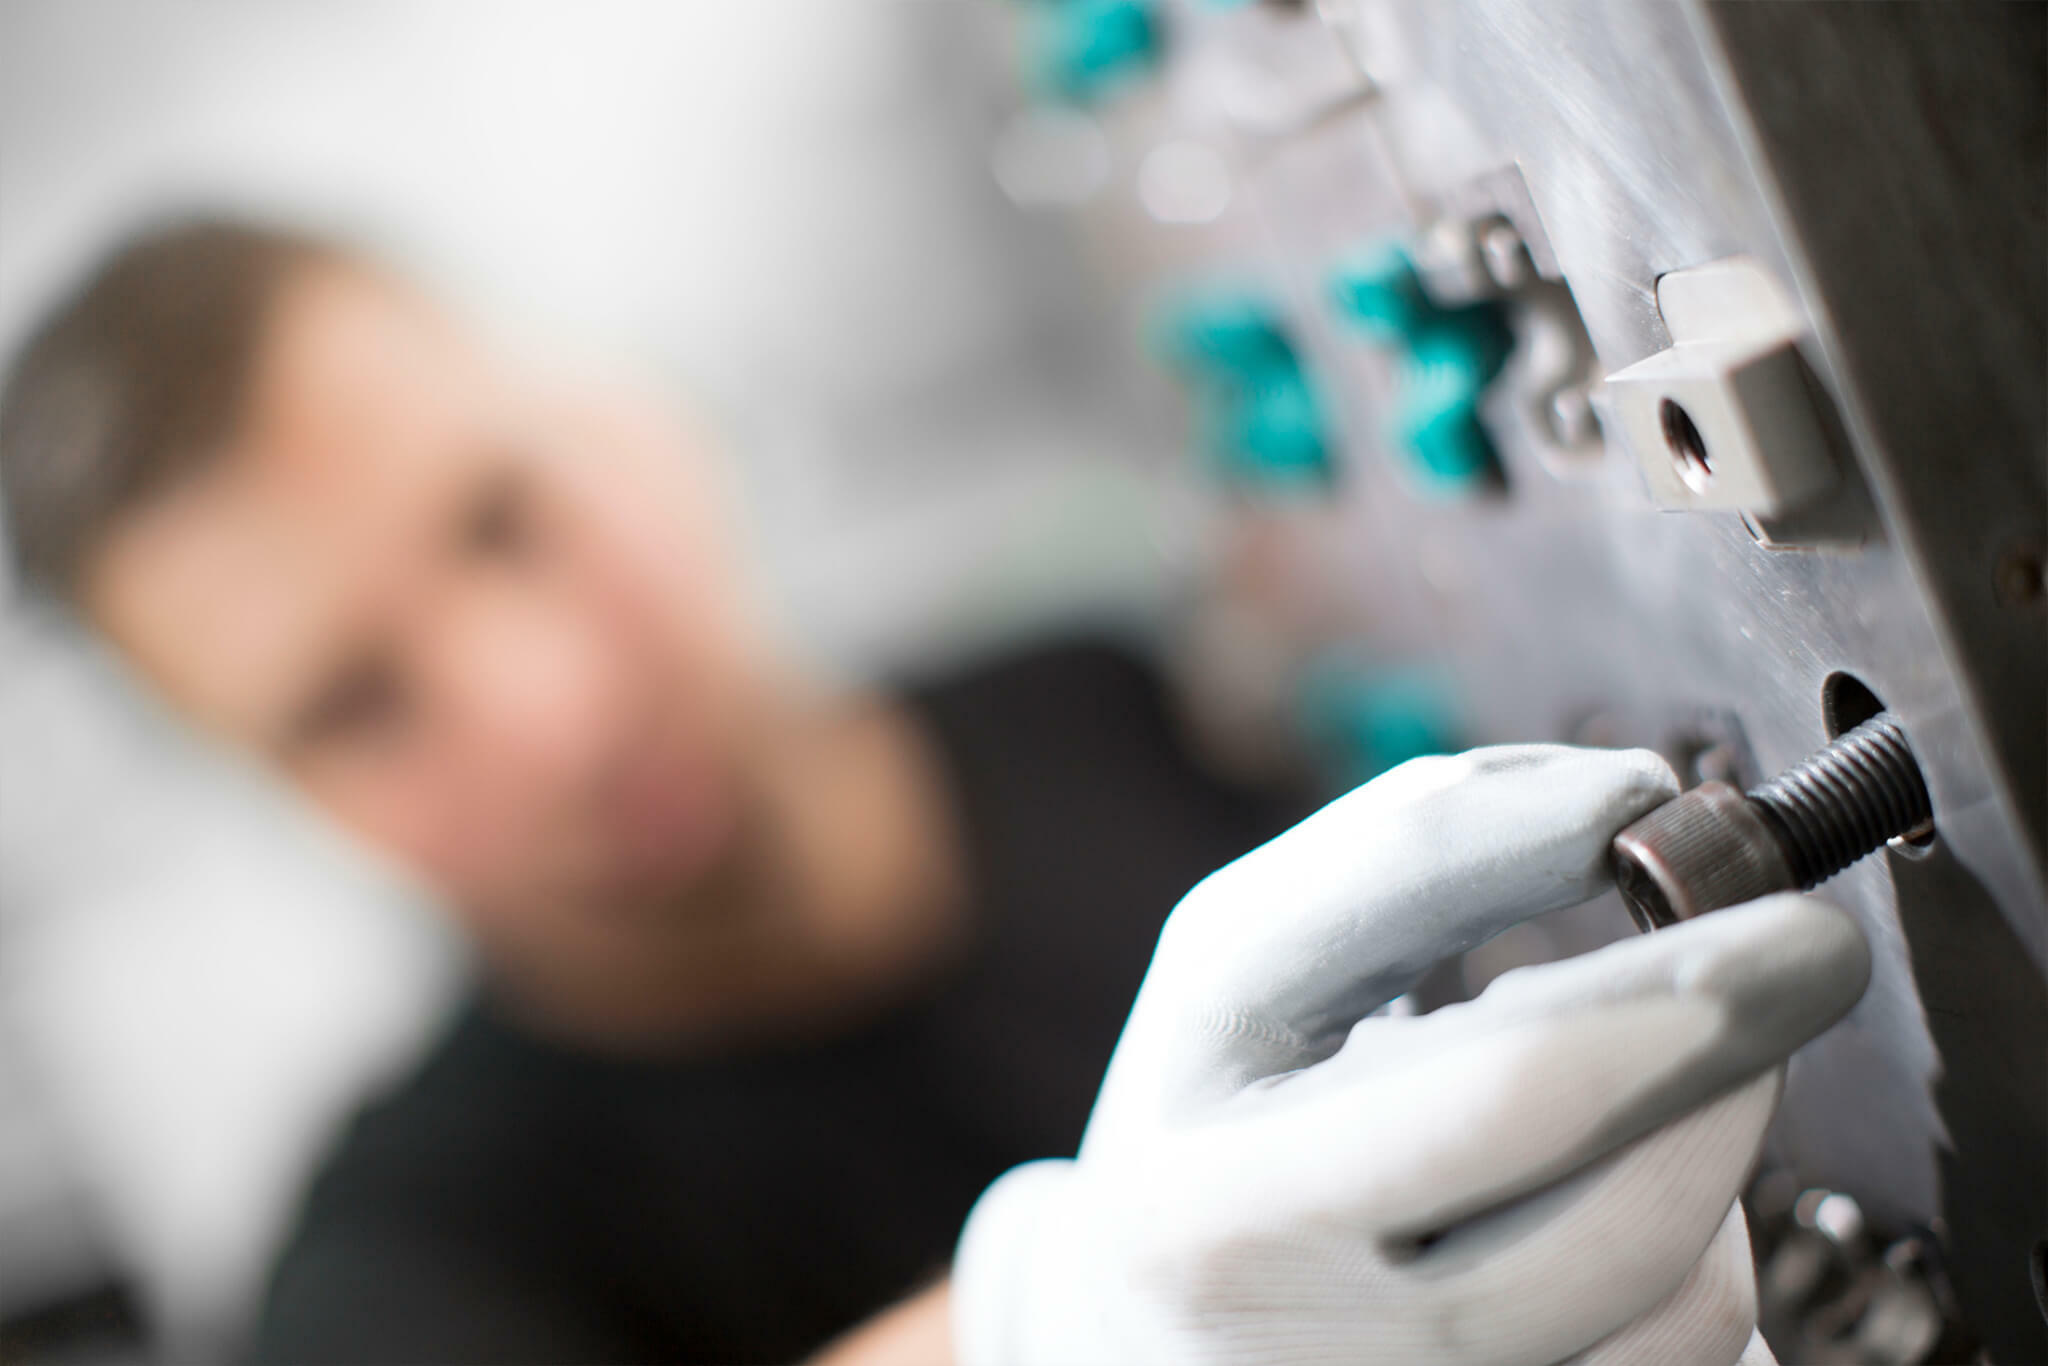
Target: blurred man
pixel 777 983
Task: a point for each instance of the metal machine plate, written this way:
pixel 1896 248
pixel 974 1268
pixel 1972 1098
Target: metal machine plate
pixel 1883 164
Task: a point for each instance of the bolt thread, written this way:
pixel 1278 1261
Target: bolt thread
pixel 1840 803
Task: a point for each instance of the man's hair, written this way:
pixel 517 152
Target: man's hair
pixel 134 380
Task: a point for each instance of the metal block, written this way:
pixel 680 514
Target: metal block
pixel 1725 418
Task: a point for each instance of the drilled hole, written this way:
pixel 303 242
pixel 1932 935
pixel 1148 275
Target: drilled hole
pixel 1846 702
pixel 1688 448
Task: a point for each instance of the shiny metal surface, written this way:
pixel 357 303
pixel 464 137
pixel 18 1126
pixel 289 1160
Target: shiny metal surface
pixel 1882 165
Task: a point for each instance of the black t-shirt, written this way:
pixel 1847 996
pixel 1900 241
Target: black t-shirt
pixel 518 1201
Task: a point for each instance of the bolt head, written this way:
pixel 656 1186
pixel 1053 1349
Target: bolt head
pixel 1704 849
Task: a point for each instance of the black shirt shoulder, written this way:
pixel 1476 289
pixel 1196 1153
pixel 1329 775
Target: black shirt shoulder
pixel 445 1226
pixel 1073 679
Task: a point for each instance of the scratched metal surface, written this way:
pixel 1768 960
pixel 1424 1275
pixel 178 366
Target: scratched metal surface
pixel 1573 608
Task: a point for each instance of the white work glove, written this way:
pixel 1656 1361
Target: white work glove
pixel 1271 1176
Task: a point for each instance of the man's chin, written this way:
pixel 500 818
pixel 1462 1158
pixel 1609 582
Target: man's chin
pixel 693 874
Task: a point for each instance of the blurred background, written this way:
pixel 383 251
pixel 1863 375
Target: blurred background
pixel 1277 334
pixel 793 214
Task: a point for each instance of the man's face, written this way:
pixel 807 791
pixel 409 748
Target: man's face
pixel 488 630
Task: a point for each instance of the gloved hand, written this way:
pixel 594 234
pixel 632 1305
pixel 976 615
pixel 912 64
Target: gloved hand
pixel 1269 1175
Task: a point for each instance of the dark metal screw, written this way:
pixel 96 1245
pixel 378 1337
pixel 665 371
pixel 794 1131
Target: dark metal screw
pixel 1715 846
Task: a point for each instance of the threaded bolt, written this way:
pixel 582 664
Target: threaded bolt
pixel 1846 800
pixel 1714 846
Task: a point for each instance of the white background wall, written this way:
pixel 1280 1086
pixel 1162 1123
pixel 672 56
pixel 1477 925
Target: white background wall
pixel 784 207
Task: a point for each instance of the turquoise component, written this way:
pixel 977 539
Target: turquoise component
pixel 1223 337
pixel 1444 357
pixel 1257 414
pixel 1471 342
pixel 1364 721
pixel 1449 448
pixel 1087 48
pixel 1379 292
pixel 1277 432
pixel 1445 371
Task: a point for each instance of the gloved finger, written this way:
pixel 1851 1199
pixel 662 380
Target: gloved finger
pixel 1570 1265
pixel 1267 963
pixel 1418 1124
pixel 1708 1321
pixel 1758 1352
pixel 1538 1279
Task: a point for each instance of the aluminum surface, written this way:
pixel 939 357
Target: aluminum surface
pixel 1836 146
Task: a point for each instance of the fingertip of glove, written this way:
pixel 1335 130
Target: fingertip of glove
pixel 1779 971
pixel 1787 964
pixel 1813 937
pixel 1640 778
pixel 995 1259
pixel 1647 780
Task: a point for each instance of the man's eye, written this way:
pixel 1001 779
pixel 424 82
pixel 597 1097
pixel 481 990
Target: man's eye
pixel 366 700
pixel 501 521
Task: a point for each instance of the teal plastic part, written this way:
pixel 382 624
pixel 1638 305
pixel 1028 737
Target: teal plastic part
pixel 1364 721
pixel 1450 448
pixel 1257 415
pixel 1442 379
pixel 1223 337
pixel 1445 359
pixel 1473 341
pixel 1378 291
pixel 1088 48
pixel 1277 433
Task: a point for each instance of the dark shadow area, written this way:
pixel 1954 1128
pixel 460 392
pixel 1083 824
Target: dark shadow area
pixel 1988 1012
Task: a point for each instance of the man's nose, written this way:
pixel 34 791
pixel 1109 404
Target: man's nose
pixel 531 687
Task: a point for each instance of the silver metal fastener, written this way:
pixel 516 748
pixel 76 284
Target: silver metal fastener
pixel 1716 846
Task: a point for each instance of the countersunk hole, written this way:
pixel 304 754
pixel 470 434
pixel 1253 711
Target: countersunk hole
pixel 1688 448
pixel 1846 702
